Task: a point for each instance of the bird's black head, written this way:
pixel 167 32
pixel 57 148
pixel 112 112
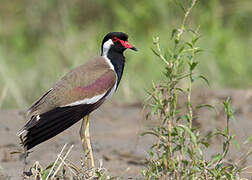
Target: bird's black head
pixel 116 41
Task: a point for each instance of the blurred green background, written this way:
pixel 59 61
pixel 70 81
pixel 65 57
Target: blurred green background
pixel 41 40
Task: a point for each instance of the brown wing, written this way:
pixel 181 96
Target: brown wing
pixel 90 80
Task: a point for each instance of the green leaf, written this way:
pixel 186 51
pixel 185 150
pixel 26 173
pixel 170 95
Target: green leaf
pixel 219 132
pixel 205 79
pixel 178 3
pixel 198 51
pixel 174 31
pixel 205 106
pixel 180 90
pixel 188 130
pixel 16 152
pixel 237 146
pixel 151 153
pixel 189 44
pixel 224 147
pixel 155 52
pixel 248 140
pixel 176 41
pixel 227 130
pixel 176 148
pixel 193 65
pixel 45 173
pixel 205 143
pixel 155 40
pixel 181 49
pixel 190 153
pixel 98 173
pixel 195 40
pixel 49 166
pixel 186 117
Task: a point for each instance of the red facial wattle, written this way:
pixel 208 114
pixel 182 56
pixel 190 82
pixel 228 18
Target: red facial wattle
pixel 125 44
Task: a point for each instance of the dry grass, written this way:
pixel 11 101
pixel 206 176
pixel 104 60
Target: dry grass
pixel 63 168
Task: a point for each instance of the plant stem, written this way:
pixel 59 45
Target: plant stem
pixel 181 30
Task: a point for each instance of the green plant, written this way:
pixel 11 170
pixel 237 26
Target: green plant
pixel 178 152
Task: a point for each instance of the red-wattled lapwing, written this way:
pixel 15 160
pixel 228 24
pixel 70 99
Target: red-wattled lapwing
pixel 77 94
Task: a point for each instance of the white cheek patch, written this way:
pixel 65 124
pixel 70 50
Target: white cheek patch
pixel 106 47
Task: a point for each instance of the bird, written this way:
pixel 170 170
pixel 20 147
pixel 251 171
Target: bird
pixel 76 95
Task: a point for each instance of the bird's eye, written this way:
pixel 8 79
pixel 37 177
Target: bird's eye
pixel 114 39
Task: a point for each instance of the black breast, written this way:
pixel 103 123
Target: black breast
pixel 118 60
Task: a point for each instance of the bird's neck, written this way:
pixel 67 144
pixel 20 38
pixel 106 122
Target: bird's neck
pixel 117 59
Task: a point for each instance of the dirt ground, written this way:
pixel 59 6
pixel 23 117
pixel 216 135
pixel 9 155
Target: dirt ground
pixel 115 135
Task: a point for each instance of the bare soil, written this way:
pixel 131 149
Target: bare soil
pixel 115 135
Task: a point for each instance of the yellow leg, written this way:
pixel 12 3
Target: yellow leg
pixel 88 142
pixel 86 137
pixel 82 135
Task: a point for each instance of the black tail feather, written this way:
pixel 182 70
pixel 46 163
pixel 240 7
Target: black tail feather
pixel 42 127
pixel 37 135
pixel 54 122
pixel 35 140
